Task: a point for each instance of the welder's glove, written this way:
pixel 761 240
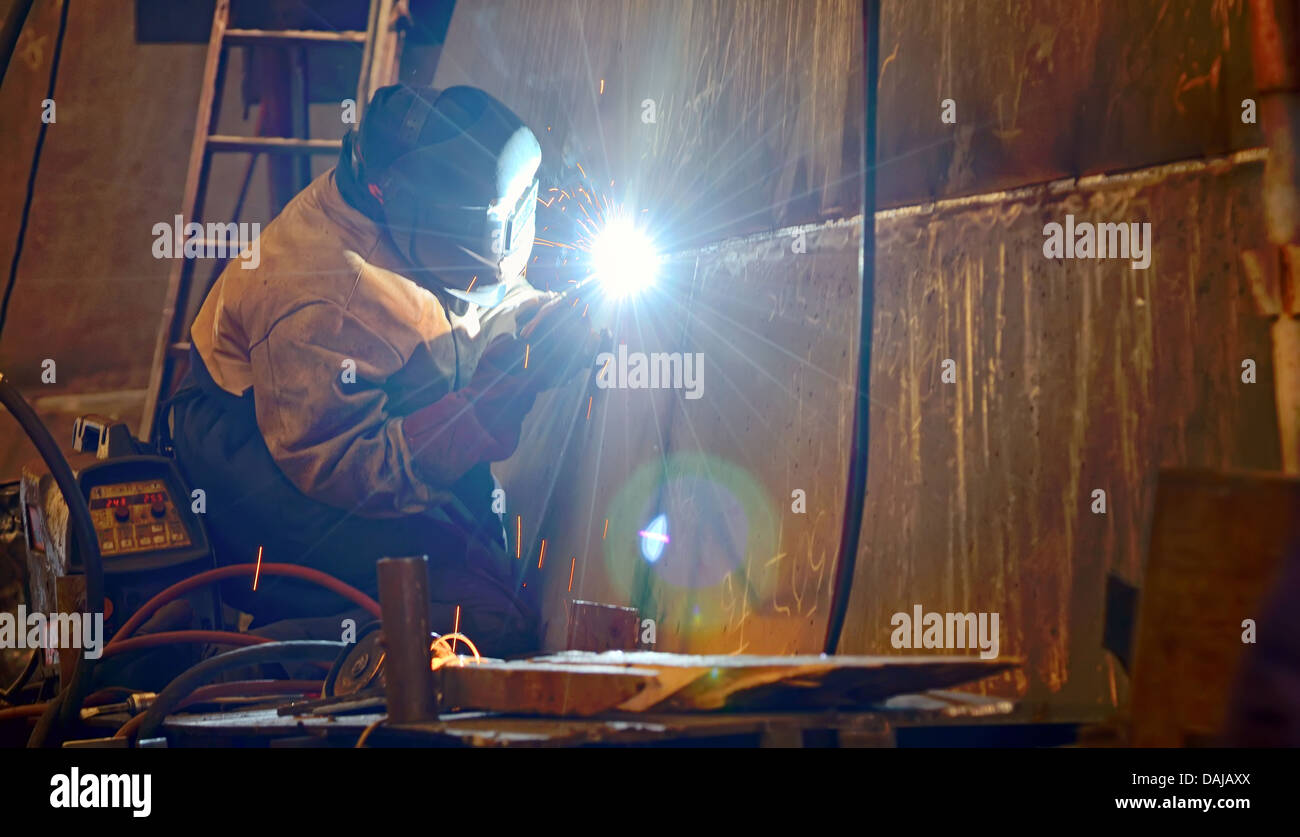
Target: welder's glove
pixel 482 421
pixel 558 344
pixel 478 423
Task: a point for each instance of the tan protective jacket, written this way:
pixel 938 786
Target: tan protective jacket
pixel 327 305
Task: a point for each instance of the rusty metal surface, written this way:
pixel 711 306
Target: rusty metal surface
pixel 1218 543
pixel 1072 375
pixel 1055 88
pixel 601 627
pixel 404 596
pixel 525 687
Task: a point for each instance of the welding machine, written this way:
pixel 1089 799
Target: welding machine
pixel 148 534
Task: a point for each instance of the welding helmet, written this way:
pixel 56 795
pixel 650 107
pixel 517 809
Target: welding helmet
pixel 459 188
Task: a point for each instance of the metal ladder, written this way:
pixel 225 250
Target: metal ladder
pixel 378 67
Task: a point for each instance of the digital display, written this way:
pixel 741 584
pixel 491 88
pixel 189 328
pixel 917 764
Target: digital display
pixel 134 517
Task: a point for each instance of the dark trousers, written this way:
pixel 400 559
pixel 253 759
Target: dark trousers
pixel 251 504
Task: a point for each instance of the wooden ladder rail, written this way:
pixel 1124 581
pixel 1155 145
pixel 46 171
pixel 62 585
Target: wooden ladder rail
pixel 378 64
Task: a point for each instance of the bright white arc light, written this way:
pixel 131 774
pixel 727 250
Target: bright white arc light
pixel 623 258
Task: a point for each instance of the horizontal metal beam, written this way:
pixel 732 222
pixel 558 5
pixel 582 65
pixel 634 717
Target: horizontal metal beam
pixel 273 145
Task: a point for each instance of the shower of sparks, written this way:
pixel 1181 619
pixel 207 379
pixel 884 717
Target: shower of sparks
pixel 542 556
pixel 257 573
pixel 604 233
pixel 573 562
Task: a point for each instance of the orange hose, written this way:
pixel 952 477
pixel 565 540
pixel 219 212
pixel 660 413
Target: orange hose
pixel 31 710
pixel 180 588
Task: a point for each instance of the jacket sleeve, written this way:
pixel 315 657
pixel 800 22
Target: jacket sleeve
pixel 334 440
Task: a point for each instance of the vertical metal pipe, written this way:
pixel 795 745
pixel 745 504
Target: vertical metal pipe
pixel 1275 41
pixel 408 676
pixel 856 493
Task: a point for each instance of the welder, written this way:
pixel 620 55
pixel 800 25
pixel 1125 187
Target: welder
pixel 347 396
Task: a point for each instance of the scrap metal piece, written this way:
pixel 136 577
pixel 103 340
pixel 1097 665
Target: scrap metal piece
pixel 526 687
pixel 594 626
pixel 687 682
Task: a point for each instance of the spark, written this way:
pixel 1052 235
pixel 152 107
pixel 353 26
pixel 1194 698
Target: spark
pixel 573 562
pixel 580 168
pixel 602 87
pixel 519 522
pixel 654 536
pixel 257 572
pixel 471 283
pixel 455 630
pixel 527 347
pixel 589 397
pixel 542 557
pixel 444 655
pixel 606 532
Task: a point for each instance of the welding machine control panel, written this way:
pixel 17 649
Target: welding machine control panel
pixel 140 507
pixel 136 516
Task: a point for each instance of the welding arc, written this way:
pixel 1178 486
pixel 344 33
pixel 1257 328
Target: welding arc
pixel 180 588
pixel 170 698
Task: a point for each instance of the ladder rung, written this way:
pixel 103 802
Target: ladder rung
pixel 283 37
pixel 274 145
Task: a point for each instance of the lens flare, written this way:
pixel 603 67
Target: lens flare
pixel 623 258
pixel 654 538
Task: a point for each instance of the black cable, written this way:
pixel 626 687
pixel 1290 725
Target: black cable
pixel 82 529
pixel 23 676
pixel 855 495
pixel 31 177
pixel 80 523
pixel 198 675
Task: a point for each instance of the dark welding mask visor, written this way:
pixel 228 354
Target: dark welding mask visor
pixel 464 209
